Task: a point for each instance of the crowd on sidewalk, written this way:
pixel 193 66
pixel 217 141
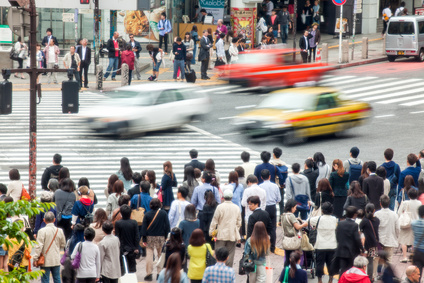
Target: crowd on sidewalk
pixel 348 215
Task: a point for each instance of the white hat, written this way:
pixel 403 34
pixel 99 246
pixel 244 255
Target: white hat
pixel 228 193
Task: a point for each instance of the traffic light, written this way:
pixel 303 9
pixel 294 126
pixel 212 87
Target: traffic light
pixel 84 1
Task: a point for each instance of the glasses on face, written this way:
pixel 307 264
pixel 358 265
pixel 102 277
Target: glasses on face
pixel 131 36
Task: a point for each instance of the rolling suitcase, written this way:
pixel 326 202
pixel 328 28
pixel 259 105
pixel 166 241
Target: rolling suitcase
pixel 190 75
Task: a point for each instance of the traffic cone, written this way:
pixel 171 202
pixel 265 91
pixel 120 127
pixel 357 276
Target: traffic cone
pixel 318 56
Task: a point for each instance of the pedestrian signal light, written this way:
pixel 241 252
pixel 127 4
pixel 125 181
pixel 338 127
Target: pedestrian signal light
pixel 84 1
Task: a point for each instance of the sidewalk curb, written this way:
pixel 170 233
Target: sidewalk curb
pixel 144 67
pixel 354 64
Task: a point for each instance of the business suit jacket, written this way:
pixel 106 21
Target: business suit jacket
pixel 137 46
pixel 196 164
pixel 46 41
pixel 204 49
pixel 373 187
pixel 302 43
pixel 87 60
pixel 348 241
pixel 259 215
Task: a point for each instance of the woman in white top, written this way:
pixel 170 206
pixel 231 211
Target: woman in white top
pixel 233 50
pixel 14 188
pixel 189 43
pixel 20 50
pixel 323 168
pixel 326 243
pixel 220 50
pixel 406 235
pixel 112 200
pixel 90 257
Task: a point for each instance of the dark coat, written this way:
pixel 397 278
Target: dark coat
pixel 259 215
pixel 87 60
pixel 339 184
pixel 312 176
pixel 373 187
pixel 111 48
pixel 300 276
pixel 196 164
pixel 348 240
pixel 302 43
pixel 204 49
pixel 159 227
pixel 46 41
pixel 359 203
pixel 137 46
pixel 325 196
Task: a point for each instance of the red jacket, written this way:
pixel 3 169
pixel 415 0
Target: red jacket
pixel 127 57
pixel 354 275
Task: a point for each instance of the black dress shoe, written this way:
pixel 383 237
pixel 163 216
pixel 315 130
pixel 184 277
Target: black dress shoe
pixel 148 278
pixel 86 86
pixel 204 78
pixel 208 78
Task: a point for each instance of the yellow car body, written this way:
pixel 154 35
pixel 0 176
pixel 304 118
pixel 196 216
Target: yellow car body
pixel 303 112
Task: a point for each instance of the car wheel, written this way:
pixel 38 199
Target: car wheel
pixel 420 58
pixel 391 58
pixel 292 138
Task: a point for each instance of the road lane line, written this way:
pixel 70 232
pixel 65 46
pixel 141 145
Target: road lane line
pixel 385 116
pixel 245 106
pixel 404 98
pixel 384 90
pixel 226 118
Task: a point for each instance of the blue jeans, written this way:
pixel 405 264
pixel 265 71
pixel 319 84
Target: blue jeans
pixel 193 61
pixel 275 33
pixel 55 270
pixel 113 65
pixel 180 64
pixel 303 214
pixel 284 33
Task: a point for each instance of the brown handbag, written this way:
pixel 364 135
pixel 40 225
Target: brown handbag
pixel 41 260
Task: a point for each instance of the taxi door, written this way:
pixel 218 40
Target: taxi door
pixel 325 119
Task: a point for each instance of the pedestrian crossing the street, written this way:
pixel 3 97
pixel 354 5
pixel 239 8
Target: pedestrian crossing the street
pixel 96 158
pixel 403 92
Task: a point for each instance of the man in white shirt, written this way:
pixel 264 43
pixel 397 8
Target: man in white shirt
pixel 253 190
pixel 272 198
pixel 249 167
pixel 386 15
pixel 399 10
pixel 84 53
pixel 176 212
pixel 388 230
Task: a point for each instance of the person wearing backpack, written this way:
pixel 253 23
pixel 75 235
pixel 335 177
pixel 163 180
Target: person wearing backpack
pixel 82 215
pixel 282 168
pixel 353 165
pixel 52 171
pixel 392 174
pixel 297 188
pixel 19 253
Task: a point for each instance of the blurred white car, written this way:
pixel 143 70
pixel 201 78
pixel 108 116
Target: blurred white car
pixel 148 107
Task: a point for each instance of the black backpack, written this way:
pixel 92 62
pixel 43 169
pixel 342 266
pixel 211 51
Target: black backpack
pixel 88 218
pixel 16 259
pixel 12 54
pixel 354 172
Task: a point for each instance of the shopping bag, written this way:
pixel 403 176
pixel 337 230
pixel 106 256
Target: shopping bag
pixel 128 277
pixel 269 272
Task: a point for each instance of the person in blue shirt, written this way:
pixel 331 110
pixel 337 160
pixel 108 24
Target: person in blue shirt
pixel 219 272
pixel 143 199
pixel 266 156
pixel 411 159
pixel 164 27
pixel 198 198
pixel 418 229
pixel 295 272
pixel 81 209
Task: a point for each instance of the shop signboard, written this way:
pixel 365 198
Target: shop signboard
pixel 244 21
pixel 214 7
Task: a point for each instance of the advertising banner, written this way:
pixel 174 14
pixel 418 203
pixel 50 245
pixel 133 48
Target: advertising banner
pixel 244 21
pixel 214 7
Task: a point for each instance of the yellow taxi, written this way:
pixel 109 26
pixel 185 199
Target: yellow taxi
pixel 299 113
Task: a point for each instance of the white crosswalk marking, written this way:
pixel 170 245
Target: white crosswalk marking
pixel 379 90
pixel 96 158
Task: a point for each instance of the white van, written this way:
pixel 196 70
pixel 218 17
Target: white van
pixel 405 37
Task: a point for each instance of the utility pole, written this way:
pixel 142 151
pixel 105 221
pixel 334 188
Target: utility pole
pixel 294 28
pixel 354 30
pixel 96 34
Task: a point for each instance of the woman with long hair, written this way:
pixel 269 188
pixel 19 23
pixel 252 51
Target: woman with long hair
pixel 112 200
pixel 324 193
pixel 364 173
pixel 63 174
pixel 175 244
pixel 65 199
pixel 83 181
pixel 188 42
pixel 168 182
pixel 369 227
pixel 125 173
pixel 210 167
pixel 14 188
pixel 338 181
pixel 410 206
pixel 356 197
pixel 171 273
pixel 189 224
pixel 100 217
pixel 195 37
pixel 290 225
pixel 235 187
pixel 109 188
pixel 196 250
pixel 324 169
pixel 206 215
pixel 296 274
pixel 190 181
pixel 256 249
pixel 150 177
pixel 408 184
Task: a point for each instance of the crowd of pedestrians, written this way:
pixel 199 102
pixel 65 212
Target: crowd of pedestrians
pixel 349 216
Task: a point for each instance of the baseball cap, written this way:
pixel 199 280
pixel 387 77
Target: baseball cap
pixel 228 194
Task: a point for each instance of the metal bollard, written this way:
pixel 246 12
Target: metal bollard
pixel 345 51
pixel 125 73
pixel 99 77
pixel 365 48
pixel 324 52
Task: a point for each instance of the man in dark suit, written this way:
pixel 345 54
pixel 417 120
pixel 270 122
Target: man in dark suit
pixel 348 242
pixel 258 215
pixel 194 162
pixel 84 53
pixel 136 48
pixel 304 45
pixel 205 45
pixel 373 186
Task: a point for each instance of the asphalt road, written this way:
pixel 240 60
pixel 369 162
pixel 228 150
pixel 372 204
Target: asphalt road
pixel 392 125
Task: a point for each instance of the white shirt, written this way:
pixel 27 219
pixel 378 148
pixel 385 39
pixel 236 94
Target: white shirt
pixel 249 167
pixel 234 57
pixel 388 230
pixel 326 236
pixel 307 42
pixel 253 190
pixel 176 212
pixel 84 50
pixel 206 39
pixel 386 11
pixel 52 55
pixel 399 11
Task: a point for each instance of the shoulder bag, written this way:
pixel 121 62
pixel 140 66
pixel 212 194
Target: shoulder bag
pixel 305 244
pixel 161 261
pixel 291 243
pixel 210 260
pixel 286 274
pixel 317 211
pixel 41 260
pixel 405 216
pixel 138 213
pixel 313 233
pixel 77 259
pixel 379 246
pixel 154 218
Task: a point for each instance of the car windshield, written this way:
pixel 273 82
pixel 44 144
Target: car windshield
pixel 127 97
pixel 255 59
pixel 401 28
pixel 289 101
